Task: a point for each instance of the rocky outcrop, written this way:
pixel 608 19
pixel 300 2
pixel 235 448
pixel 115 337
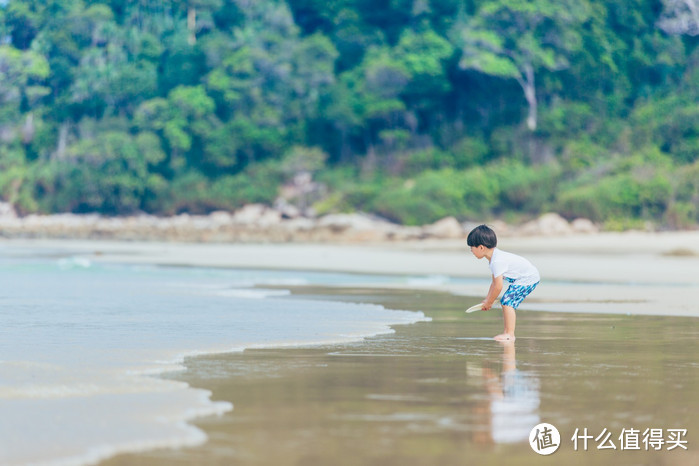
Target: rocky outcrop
pixel 552 224
pixel 259 223
pixel 447 227
pixel 548 225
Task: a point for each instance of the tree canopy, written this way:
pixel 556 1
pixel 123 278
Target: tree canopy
pixel 409 109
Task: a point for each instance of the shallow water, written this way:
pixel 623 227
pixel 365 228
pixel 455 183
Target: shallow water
pixel 443 392
pixel 78 339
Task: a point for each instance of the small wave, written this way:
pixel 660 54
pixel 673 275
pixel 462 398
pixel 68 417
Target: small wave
pixel 430 280
pixel 84 349
pixel 252 293
pixel 76 262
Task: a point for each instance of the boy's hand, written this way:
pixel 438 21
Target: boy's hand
pixel 493 293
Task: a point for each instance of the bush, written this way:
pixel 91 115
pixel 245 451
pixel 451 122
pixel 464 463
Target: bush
pixel 467 153
pixel 438 194
pixel 346 193
pixel 399 205
pixel 257 184
pixel 683 211
pixel 427 159
pixel 194 193
pixel 429 197
pixel 523 187
pixel 16 186
pixel 108 173
pixel 619 196
pixel 682 215
pixel 480 192
pixel 582 154
pixel 672 123
pixel 567 118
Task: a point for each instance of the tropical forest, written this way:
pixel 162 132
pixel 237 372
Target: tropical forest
pixel 409 110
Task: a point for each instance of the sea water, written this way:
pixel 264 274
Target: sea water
pixel 81 345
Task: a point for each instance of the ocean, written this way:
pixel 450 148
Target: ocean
pixel 82 344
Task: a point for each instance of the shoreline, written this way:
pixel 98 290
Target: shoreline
pixel 625 273
pixel 125 384
pixel 611 294
pixel 429 393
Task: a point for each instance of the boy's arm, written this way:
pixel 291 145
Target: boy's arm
pixel 493 293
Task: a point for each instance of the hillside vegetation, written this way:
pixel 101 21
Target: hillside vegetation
pixel 409 109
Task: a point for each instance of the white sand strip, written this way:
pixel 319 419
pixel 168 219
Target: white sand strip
pixel 635 273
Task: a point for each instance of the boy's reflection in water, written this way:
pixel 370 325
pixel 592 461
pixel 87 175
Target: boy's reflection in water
pixel 514 400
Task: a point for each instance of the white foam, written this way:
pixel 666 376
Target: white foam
pixel 75 262
pixel 430 280
pixel 252 293
pixel 80 344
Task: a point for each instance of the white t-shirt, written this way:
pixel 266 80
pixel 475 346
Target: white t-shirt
pixel 513 267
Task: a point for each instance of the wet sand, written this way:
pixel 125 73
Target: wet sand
pixel 444 393
pixel 628 273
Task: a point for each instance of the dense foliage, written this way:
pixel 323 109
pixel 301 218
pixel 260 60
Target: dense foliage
pixel 410 109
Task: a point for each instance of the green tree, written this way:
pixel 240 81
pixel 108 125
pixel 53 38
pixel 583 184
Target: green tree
pixel 269 84
pixel 424 55
pixel 517 39
pixel 184 117
pixel 21 80
pixel 109 173
pixel 371 101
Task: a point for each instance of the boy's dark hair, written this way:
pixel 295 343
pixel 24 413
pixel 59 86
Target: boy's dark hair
pixel 482 235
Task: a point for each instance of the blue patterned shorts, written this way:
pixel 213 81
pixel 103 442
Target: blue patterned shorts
pixel 515 294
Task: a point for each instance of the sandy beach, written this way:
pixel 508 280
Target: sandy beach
pixel 608 341
pixel 627 273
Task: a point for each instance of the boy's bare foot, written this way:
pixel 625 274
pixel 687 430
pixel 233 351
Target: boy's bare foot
pixel 504 337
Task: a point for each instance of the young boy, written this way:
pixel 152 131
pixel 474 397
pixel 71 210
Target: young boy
pixel 516 270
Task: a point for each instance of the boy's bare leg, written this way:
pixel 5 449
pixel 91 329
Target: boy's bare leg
pixel 510 318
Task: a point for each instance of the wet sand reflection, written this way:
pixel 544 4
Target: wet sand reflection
pixel 445 393
pixel 514 399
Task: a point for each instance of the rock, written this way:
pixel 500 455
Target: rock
pixel 299 224
pixel 550 224
pixel 583 225
pixel 447 227
pixel 501 228
pixel 259 223
pixel 286 210
pixel 469 226
pixel 249 214
pixel 201 223
pixel 269 218
pixel 342 222
pixel 221 218
pixel 554 224
pixel 352 227
pixel 401 233
pixel 7 210
pixel 257 214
